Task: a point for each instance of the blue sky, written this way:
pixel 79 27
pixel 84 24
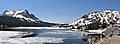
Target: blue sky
pixel 59 10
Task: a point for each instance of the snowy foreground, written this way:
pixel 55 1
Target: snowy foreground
pixel 45 36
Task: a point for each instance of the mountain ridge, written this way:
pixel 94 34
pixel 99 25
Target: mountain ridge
pixel 107 16
pixel 21 14
pixel 22 18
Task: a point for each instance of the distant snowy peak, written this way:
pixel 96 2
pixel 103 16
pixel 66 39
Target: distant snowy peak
pixel 15 13
pixel 21 14
pixel 8 13
pixel 105 16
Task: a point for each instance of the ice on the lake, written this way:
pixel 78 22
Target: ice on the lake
pixel 31 40
pixel 45 35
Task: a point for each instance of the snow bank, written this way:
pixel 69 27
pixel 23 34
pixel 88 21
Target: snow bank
pixel 7 34
pixel 5 38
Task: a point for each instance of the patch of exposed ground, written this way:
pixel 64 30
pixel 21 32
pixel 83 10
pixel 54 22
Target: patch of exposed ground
pixel 112 40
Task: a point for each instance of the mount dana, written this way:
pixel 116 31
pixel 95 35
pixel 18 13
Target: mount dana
pixel 22 18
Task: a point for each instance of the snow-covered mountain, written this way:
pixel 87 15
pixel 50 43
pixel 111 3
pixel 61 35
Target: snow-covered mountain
pixel 24 14
pixel 22 18
pixel 106 16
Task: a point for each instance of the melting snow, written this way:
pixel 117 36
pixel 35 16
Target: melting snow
pixel 46 35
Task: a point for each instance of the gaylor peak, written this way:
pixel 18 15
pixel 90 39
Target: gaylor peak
pixel 106 16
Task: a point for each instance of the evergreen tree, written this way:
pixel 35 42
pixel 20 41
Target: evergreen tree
pixel 93 26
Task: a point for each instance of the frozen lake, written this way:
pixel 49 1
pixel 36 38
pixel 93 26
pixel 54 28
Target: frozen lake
pixel 45 36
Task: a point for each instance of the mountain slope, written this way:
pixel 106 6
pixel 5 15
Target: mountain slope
pixel 21 14
pixel 22 18
pixel 108 17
